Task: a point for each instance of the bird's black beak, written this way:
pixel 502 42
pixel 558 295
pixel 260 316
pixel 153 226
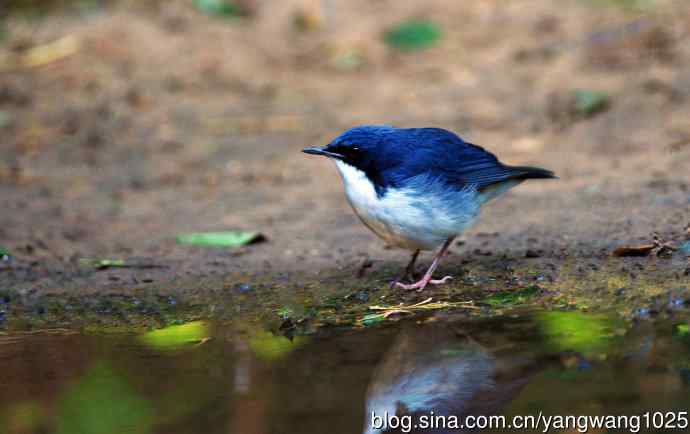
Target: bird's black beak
pixel 321 151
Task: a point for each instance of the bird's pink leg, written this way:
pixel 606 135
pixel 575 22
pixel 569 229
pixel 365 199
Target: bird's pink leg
pixel 409 270
pixel 427 277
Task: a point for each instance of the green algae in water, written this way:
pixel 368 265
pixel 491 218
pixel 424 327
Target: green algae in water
pixel 270 347
pixel 25 416
pixel 681 333
pixel 576 331
pixel 176 336
pixel 103 402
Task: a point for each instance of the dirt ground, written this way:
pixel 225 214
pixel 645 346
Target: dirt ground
pixel 165 121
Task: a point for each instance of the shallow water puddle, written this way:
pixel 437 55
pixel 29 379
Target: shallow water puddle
pixel 199 378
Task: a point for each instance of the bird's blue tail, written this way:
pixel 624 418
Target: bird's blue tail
pixel 515 176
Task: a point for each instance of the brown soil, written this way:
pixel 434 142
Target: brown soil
pixel 167 121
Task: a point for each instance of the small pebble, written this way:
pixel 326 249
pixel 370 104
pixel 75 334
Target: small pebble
pixel 243 288
pixel 642 312
pixel 676 302
pixel 363 296
pixel 583 365
pixel 530 253
pixel 685 247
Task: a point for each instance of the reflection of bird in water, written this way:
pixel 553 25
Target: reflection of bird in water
pixel 432 368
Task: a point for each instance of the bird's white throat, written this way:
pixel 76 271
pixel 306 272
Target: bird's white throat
pixel 359 189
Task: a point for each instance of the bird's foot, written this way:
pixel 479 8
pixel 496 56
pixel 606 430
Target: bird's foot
pixel 407 276
pixel 419 286
pixel 399 281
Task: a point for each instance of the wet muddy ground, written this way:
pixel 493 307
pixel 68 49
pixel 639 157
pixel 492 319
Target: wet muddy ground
pixel 161 120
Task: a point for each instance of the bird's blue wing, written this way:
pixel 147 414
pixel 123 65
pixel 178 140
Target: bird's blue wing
pixel 443 155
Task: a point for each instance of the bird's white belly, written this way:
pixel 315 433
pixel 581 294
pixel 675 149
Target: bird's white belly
pixel 419 217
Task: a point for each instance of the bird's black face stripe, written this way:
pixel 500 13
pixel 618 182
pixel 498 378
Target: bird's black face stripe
pixel 350 154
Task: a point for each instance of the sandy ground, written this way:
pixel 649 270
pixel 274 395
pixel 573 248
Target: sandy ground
pixel 167 121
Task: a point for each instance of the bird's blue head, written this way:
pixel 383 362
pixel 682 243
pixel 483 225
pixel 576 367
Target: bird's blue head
pixel 367 148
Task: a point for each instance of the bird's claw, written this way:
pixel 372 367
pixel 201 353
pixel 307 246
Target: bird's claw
pixel 419 286
pixel 441 281
pixel 397 282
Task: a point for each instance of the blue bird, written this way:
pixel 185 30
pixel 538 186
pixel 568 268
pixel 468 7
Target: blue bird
pixel 419 188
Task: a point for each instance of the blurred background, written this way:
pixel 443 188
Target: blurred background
pixel 125 123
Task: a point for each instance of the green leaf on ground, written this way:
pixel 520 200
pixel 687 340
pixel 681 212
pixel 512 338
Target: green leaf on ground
pixel 372 319
pixel 220 8
pixel 107 263
pixel 413 35
pixel 220 239
pixel 625 4
pixel 176 337
pixel 589 102
pixel 505 298
pixel 682 330
pixel 104 264
pixel 348 60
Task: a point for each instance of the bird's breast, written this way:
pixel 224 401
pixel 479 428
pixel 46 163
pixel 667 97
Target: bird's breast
pixel 415 217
